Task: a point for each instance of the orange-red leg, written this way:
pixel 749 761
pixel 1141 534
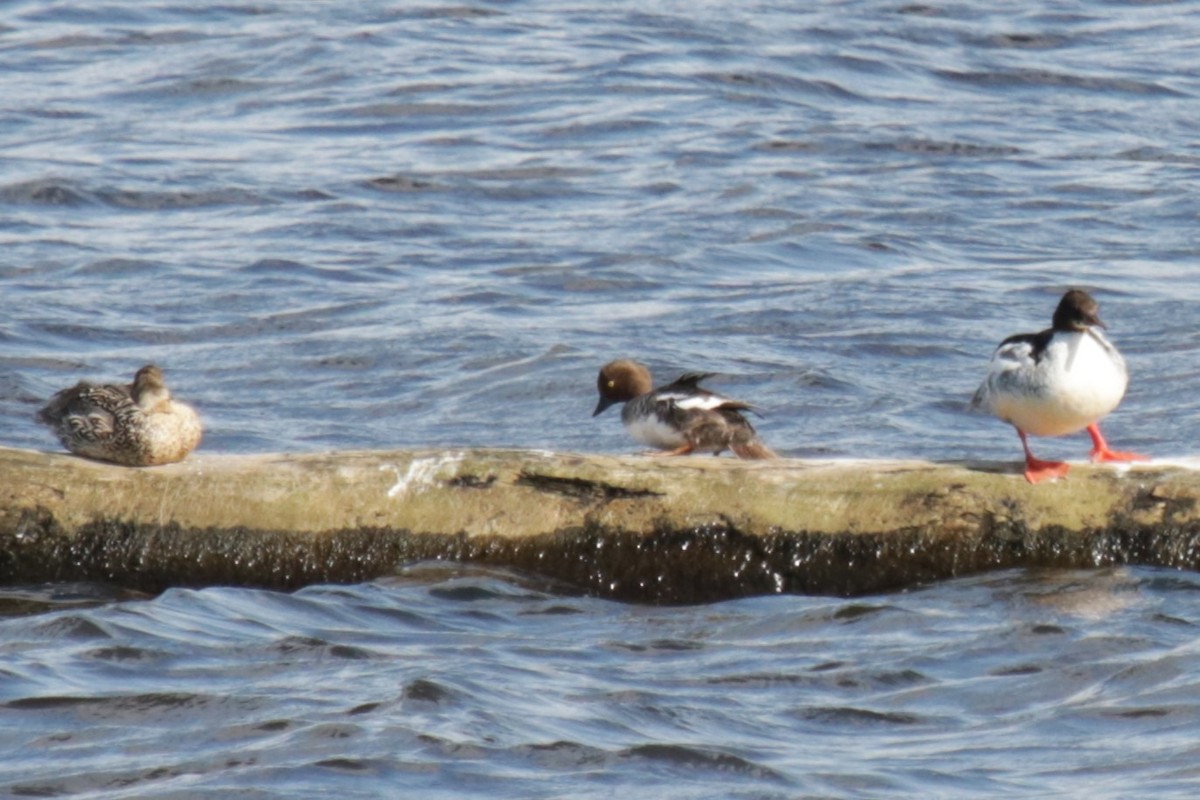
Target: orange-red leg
pixel 1100 451
pixel 682 450
pixel 1037 470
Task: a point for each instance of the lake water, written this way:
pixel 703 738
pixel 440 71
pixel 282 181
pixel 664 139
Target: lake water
pixel 378 225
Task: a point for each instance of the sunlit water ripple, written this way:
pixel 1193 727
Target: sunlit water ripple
pixel 446 684
pixel 385 225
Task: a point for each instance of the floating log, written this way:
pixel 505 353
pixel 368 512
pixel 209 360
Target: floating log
pixel 678 530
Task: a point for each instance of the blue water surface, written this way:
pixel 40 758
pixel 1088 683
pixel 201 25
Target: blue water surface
pixel 388 225
pixel 444 683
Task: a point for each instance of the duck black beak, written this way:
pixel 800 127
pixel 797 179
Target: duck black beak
pixel 602 405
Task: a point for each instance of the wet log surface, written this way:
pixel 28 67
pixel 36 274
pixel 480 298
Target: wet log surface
pixel 679 530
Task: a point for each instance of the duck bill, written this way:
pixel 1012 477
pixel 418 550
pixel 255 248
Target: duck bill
pixel 602 405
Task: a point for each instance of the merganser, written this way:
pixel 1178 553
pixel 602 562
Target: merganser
pixel 1060 381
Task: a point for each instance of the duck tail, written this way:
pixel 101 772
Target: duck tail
pixel 752 449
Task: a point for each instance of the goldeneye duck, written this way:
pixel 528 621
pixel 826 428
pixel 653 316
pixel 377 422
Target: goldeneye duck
pixel 137 425
pixel 680 417
pixel 1060 381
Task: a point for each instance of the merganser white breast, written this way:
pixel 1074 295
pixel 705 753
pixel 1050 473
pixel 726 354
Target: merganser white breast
pixel 1054 385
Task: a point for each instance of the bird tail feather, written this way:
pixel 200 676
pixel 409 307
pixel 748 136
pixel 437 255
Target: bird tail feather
pixel 753 449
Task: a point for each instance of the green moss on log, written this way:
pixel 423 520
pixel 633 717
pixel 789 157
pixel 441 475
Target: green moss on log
pixel 640 529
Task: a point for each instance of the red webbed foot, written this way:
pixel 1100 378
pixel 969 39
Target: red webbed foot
pixel 682 450
pixel 1037 470
pixel 1101 452
pixel 1100 456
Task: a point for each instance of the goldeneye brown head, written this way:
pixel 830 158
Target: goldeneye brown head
pixel 620 381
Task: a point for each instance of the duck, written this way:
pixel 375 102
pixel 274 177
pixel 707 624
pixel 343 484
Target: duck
pixel 678 418
pixel 137 424
pixel 1057 382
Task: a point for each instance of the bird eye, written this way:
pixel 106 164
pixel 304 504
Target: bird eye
pixel 611 384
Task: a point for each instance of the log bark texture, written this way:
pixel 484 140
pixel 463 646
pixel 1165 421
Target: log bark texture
pixel 676 530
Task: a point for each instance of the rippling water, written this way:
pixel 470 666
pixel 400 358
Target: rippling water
pixel 387 224
pixel 383 225
pixel 443 684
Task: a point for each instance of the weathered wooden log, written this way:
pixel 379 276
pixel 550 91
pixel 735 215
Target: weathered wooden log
pixel 688 529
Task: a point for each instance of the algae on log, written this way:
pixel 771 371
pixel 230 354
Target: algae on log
pixel 676 530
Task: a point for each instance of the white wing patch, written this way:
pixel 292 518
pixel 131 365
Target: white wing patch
pixel 1011 369
pixel 1012 356
pixel 691 401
